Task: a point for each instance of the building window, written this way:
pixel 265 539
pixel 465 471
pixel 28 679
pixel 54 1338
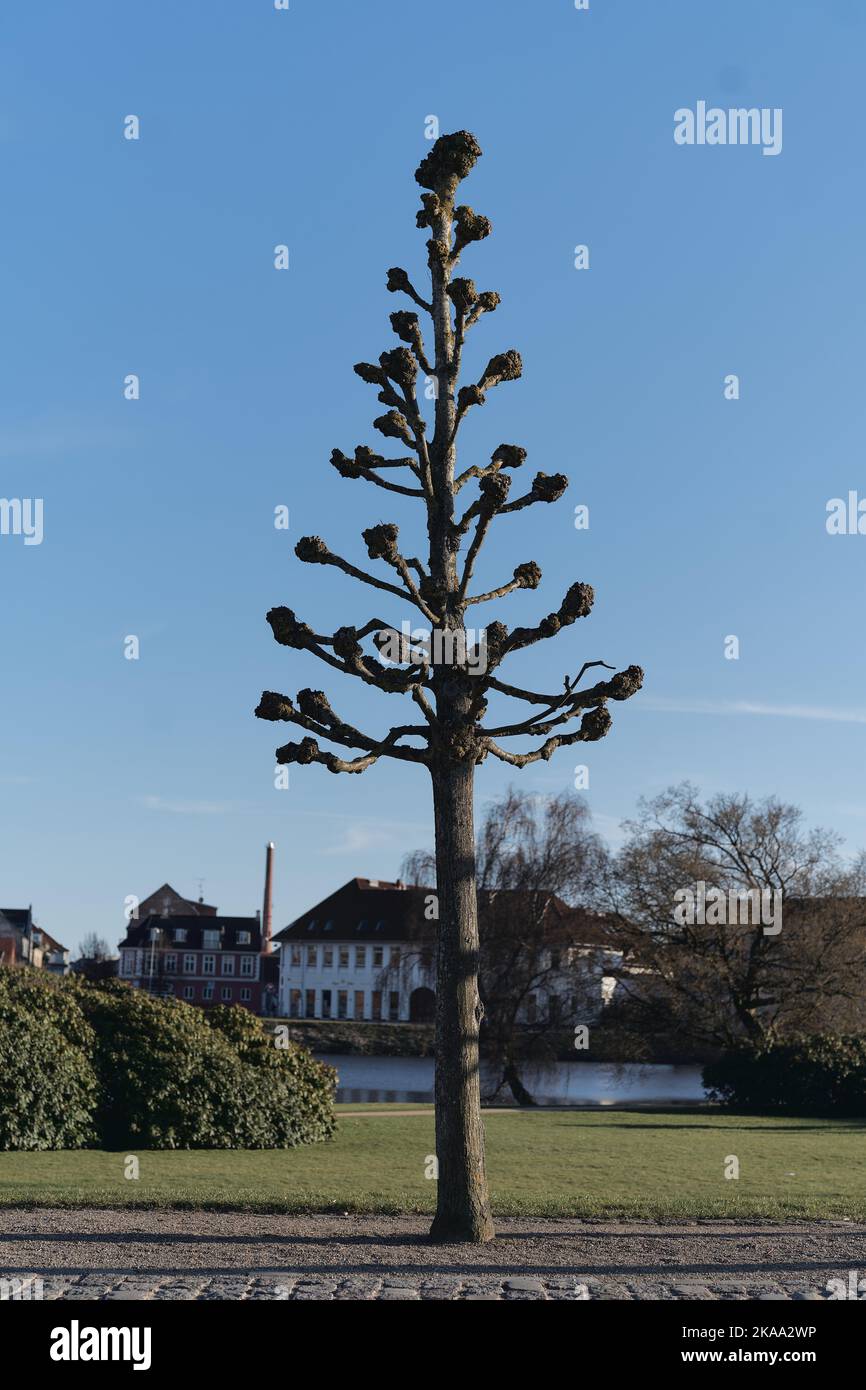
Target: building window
pixel 207 990
pixel 328 953
pixel 170 964
pixel 342 1003
pixel 128 963
pixel 226 993
pixel 180 933
pixel 228 963
pixel 360 957
pixel 344 957
pixel 210 939
pixel 246 994
pixel 243 938
pixel 312 956
pixel 376 1009
pixel 208 965
pixel 359 1003
pixel 248 965
pixel 294 1003
pixel 377 955
pixel 326 1003
pixel 296 955
pixel 189 965
pixel 393 1006
pixel 395 957
pixel 189 991
pixel 310 1006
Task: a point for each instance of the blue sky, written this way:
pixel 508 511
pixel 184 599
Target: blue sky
pixel 155 257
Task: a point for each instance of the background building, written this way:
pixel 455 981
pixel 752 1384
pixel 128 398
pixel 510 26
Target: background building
pixel 367 952
pixel 202 960
pixel 22 942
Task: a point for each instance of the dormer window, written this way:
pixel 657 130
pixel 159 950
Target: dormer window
pixel 329 926
pixel 311 926
pixel 243 938
pixel 180 933
pixel 210 939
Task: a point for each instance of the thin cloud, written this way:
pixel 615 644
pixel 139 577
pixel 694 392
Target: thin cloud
pixel 727 707
pixel 189 808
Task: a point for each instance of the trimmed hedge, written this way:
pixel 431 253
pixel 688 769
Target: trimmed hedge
pixel 112 1067
pixel 812 1074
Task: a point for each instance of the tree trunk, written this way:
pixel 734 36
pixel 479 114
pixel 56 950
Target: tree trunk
pixel 463 1210
pixel 511 1078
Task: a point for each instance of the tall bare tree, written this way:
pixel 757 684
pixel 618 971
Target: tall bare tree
pixel 444 677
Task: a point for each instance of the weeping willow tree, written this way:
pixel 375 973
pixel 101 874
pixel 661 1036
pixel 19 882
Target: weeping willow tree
pixel 448 677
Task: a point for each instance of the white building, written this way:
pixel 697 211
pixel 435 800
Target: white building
pixel 368 953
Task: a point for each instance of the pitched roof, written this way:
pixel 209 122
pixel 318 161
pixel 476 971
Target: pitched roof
pixel 196 909
pixel 374 910
pixel 364 909
pixel 16 916
pixel 138 933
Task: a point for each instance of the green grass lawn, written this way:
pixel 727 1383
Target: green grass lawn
pixel 556 1163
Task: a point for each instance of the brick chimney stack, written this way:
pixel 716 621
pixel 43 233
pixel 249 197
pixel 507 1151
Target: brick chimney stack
pixel 268 903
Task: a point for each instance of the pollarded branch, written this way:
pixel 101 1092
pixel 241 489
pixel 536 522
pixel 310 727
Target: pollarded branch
pixel 314 713
pixel 505 366
pixel 526 576
pixel 571 702
pixel 364 465
pixel 408 330
pixel 348 656
pixel 398 281
pixel 381 543
pixel 546 487
pixel 594 725
pixel 313 551
pixel 506 456
pixel 500 642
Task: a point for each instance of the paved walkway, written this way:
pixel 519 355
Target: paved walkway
pixel 95 1254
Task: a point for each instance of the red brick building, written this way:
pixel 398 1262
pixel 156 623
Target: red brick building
pixel 179 948
pixel 203 959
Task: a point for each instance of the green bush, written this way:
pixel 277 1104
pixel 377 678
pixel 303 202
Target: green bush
pixel 111 1066
pixel 169 1078
pixel 48 1085
pixel 297 1092
pixel 813 1074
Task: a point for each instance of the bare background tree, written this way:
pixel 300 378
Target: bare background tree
pixel 449 688
pixel 718 982
pixel 94 947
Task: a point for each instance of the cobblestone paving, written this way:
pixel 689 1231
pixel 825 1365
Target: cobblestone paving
pixel 94 1254
pixel 299 1287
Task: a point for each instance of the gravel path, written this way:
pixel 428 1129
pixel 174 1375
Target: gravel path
pixel 95 1254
